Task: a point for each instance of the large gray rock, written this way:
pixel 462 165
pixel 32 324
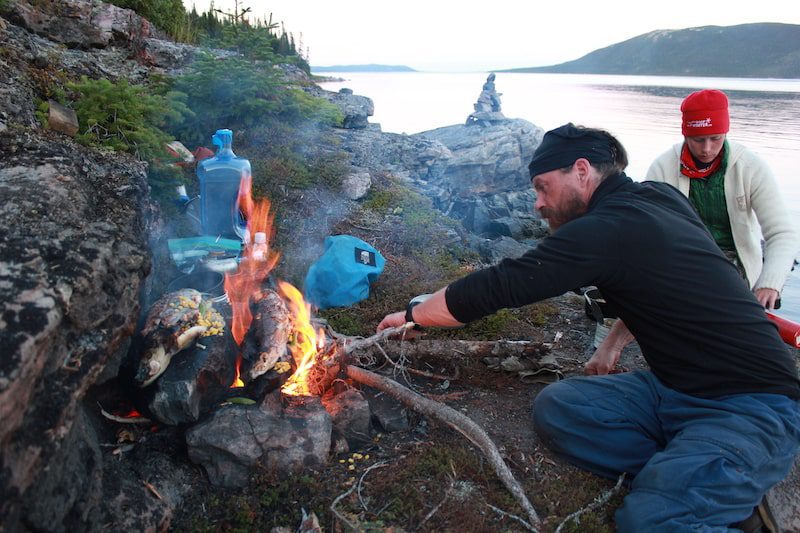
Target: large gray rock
pixel 487 159
pixel 166 54
pixel 72 258
pixel 81 23
pixel 234 439
pixel 477 174
pixel 356 109
pixel 356 184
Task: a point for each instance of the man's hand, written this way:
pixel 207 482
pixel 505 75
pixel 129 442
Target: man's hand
pixel 602 361
pixel 607 354
pixel 767 297
pixel 430 312
pixel 392 320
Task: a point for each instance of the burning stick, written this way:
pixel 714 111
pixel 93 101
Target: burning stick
pixel 454 420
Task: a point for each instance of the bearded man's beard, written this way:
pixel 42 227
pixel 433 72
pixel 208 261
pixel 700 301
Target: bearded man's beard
pixel 572 208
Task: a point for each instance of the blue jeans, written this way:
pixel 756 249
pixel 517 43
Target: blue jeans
pixel 697 464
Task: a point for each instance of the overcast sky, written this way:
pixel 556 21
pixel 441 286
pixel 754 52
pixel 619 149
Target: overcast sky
pixel 471 35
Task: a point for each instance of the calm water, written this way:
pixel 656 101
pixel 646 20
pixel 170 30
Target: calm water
pixel 642 111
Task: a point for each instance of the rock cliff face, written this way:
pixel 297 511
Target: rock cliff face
pixel 82 23
pixel 73 254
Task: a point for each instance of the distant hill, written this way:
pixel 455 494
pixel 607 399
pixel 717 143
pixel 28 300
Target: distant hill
pixel 364 68
pixel 760 50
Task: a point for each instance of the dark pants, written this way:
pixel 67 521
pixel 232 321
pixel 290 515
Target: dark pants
pixel 696 464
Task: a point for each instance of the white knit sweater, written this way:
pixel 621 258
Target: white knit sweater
pixel 752 199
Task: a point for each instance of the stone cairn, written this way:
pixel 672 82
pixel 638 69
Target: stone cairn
pixel 487 108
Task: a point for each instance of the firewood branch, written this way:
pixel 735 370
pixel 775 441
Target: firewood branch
pixel 596 503
pixel 454 420
pixel 437 347
pixel 351 344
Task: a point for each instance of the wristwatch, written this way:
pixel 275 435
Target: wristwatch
pixel 410 316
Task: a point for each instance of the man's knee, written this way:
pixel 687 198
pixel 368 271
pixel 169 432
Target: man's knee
pixel 551 408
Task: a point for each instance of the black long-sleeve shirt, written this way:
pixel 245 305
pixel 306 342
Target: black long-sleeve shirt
pixel 700 328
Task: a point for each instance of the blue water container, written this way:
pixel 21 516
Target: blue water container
pixel 219 178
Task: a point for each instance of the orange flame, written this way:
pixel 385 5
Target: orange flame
pixel 305 346
pixel 247 280
pixel 246 283
pixel 238 381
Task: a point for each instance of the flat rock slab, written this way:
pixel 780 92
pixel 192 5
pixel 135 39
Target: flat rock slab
pixel 351 416
pixel 236 438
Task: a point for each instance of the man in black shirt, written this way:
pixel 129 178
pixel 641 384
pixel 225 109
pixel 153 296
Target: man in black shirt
pixel 716 420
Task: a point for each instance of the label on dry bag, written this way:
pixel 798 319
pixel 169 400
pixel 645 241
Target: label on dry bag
pixel 364 257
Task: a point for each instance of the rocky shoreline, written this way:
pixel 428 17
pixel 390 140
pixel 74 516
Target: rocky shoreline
pixel 76 261
pixel 76 255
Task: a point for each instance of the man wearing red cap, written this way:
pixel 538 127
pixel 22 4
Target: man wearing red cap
pixel 733 191
pixel 715 421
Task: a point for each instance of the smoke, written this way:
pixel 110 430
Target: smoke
pixel 303 229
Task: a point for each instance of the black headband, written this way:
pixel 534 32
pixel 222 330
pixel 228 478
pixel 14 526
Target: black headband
pixel 562 146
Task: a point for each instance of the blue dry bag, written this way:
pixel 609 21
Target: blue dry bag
pixel 343 274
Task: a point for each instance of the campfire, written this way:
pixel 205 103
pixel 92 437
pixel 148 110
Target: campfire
pixel 251 374
pixel 251 371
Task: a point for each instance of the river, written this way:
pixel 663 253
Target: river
pixel 643 112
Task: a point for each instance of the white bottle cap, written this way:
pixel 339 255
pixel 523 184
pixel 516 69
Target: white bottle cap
pixel 261 237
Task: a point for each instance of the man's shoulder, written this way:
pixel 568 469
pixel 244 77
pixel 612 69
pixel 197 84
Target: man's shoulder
pixel 645 197
pixel 647 190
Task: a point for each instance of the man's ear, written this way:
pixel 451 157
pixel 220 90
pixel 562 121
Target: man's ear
pixel 583 168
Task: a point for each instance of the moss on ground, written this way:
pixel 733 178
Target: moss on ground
pixel 403 483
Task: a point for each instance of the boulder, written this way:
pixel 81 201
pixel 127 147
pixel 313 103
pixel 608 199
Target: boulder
pixel 72 257
pixel 487 159
pixel 356 184
pixel 62 119
pixel 356 109
pixel 234 439
pixel 475 173
pixel 81 24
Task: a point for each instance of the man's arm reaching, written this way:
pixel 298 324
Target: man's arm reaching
pixel 432 312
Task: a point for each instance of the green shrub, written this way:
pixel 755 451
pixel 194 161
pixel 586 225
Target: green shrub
pixel 167 15
pixel 225 94
pixel 125 117
pixel 237 93
pixel 251 42
pixel 163 178
pixel 297 105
